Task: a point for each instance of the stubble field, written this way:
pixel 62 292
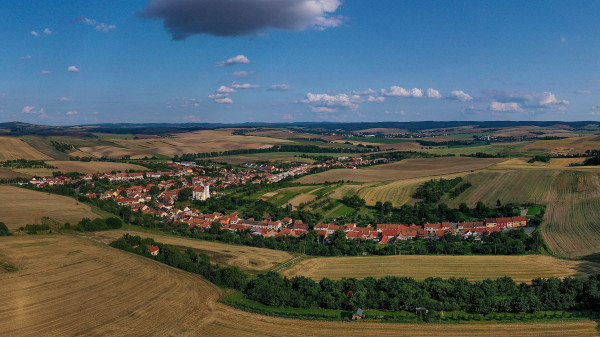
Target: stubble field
pixel 406 169
pixel 21 207
pixel 571 227
pixel 14 148
pixel 72 286
pixel 250 259
pixel 476 268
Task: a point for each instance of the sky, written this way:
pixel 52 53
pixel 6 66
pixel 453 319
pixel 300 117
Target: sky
pixel 235 61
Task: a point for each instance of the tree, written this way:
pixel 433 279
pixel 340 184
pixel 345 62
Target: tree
pixel 123 194
pixel 498 203
pixel 185 194
pixel 154 190
pixel 4 230
pixel 114 223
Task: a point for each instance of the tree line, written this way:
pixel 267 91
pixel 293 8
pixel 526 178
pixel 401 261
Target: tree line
pixel 190 260
pixel 275 148
pixel 392 293
pixel 432 191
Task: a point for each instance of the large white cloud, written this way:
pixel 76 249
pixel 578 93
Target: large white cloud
pixel 183 18
pixel 332 102
pixel 73 69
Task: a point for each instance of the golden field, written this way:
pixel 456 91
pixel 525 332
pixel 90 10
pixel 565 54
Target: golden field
pixel 15 148
pixel 522 268
pixel 570 226
pixel 405 169
pixel 250 259
pixel 21 207
pixel 69 286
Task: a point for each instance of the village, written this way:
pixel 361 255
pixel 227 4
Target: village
pixel 159 201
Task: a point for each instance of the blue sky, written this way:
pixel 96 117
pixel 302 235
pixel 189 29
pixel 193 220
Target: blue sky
pixel 80 62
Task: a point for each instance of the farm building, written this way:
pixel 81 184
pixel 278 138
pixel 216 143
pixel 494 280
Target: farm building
pixel 358 314
pixel 153 250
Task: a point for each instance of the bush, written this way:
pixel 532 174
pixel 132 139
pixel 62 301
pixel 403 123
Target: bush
pixel 4 230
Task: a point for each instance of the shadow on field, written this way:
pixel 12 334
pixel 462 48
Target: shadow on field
pixel 589 264
pixel 592 258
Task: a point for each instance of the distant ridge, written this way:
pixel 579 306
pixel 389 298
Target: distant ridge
pixel 19 128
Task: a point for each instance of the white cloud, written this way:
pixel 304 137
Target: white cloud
pixel 242 73
pixel 225 100
pixel 34 33
pixel 323 109
pixel 432 93
pixel 332 101
pixel 396 91
pixel 460 96
pixel 217 96
pixel 279 87
pixel 582 92
pixel 95 113
pixel 73 69
pixel 26 57
pixel 28 109
pixel 236 85
pixel 100 26
pixel 548 98
pixel 225 90
pixel 364 93
pixel 74 112
pixel 379 99
pixel 47 31
pixel 532 101
pixel 45 72
pixel 65 99
pixel 563 39
pixel 240 59
pixel 507 107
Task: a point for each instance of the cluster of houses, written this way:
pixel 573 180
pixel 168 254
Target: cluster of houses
pixel 222 178
pixel 382 233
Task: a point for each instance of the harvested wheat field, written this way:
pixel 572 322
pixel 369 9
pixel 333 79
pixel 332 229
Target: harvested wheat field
pixel 71 286
pixel 572 145
pixel 197 141
pixel 15 148
pixel 554 164
pixel 250 259
pixel 9 174
pixel 21 207
pixel 522 268
pixel 571 227
pixel 409 168
pixel 94 167
pixel 398 192
pixel 113 152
